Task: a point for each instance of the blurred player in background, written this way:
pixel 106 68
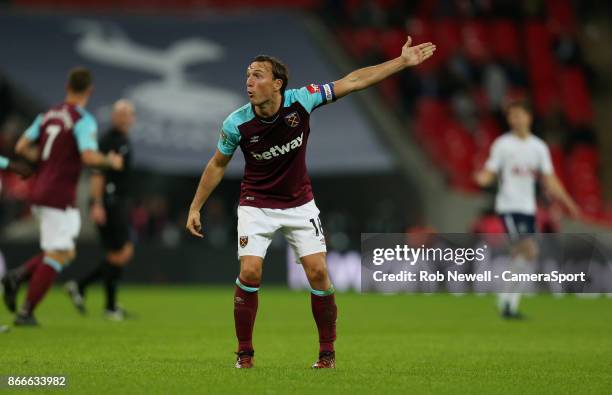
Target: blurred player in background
pixel 59 141
pixel 516 159
pixel 3 328
pixel 25 169
pixel 108 209
pixel 272 132
pixel 19 166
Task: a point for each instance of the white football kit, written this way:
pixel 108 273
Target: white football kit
pixel 517 163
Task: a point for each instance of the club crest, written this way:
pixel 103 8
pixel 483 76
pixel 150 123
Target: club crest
pixel 244 240
pixel 293 119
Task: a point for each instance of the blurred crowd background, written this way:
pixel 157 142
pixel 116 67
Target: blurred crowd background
pixel 439 118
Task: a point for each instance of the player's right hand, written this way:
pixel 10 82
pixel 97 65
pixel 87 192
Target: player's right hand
pixel 115 160
pixel 193 223
pixel 97 214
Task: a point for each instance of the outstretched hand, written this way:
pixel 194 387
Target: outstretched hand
pixel 417 54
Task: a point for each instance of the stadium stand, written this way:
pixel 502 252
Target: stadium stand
pixel 480 64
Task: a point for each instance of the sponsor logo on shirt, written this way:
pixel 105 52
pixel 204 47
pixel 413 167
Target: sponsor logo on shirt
pixel 524 171
pixel 278 150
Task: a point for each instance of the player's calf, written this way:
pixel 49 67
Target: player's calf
pixel 11 286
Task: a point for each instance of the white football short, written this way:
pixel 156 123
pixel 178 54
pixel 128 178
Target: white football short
pixel 58 228
pixel 300 225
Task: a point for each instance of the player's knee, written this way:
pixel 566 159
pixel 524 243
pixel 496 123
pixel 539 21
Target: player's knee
pixel 528 249
pixel 317 274
pixel 250 269
pixel 250 274
pixel 531 250
pixel 63 257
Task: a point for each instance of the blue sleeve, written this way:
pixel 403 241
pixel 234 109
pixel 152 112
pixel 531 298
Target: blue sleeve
pixel 33 131
pixel 311 96
pixel 229 138
pixel 4 162
pixel 85 131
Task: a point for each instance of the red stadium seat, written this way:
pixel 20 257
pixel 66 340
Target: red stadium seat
pixel 421 30
pixel 392 42
pixel 505 41
pixel 390 91
pixel 542 68
pixel 475 34
pixel 575 96
pixel 486 132
pixel 545 97
pixel 561 18
pixel 448 40
pixel 481 99
pixel 366 40
pixel 583 179
pixel 460 149
pixel 430 122
pixel 558 160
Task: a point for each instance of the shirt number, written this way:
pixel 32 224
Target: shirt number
pixel 319 228
pixel 52 132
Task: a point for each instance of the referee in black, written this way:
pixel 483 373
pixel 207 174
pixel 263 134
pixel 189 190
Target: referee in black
pixel 108 209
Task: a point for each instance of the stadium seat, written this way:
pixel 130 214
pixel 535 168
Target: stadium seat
pixel 505 41
pixel 558 160
pixel 459 154
pixel 430 121
pixel 561 18
pixel 365 40
pixel 475 34
pixel 583 178
pixel 575 96
pixel 392 41
pixel 447 33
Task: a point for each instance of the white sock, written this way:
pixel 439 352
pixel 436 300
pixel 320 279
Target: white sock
pixel 508 300
pixel 511 297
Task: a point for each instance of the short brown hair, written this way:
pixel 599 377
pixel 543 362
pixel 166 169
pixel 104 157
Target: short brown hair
pixel 279 70
pixel 79 79
pixel 522 103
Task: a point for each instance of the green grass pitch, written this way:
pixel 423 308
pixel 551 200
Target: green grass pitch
pixel 182 341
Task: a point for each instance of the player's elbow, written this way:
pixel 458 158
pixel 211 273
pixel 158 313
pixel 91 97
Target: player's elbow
pixel 21 147
pixel 551 183
pixel 219 161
